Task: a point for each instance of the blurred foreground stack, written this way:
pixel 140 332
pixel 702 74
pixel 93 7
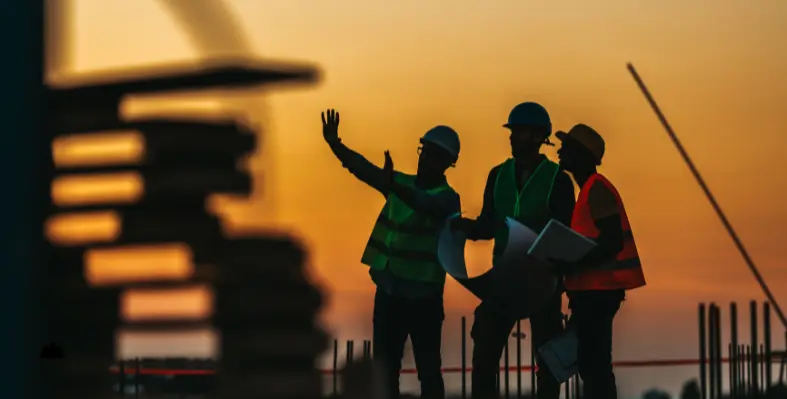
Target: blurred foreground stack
pixel 128 213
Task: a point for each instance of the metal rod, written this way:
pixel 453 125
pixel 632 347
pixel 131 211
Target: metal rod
pixel 713 394
pixel 761 359
pixel 733 367
pixel 711 198
pixel 703 357
pixel 750 383
pixel 519 359
pixel 766 338
pixel 533 387
pixel 717 339
pixel 505 372
pixel 136 378
pixel 335 366
pixel 121 378
pixel 464 357
pixel 755 379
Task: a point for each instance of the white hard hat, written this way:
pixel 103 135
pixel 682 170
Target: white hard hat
pixel 444 137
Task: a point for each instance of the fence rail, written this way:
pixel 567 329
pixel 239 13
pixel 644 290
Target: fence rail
pixel 447 370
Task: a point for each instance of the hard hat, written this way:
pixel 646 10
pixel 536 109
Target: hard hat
pixel 529 114
pixel 444 137
pixel 588 138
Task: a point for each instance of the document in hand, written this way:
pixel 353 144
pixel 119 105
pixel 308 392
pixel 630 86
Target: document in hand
pixel 558 241
pixel 520 284
pixel 451 250
pixel 560 355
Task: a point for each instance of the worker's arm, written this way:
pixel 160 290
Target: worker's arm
pixel 561 200
pixel 437 206
pixel 359 166
pixel 606 215
pixel 484 227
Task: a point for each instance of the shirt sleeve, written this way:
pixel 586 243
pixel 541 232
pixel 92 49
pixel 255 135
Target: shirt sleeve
pixel 360 167
pixel 438 206
pixel 486 223
pixel 602 202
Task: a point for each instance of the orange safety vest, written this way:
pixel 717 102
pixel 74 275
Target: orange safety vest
pixel 625 272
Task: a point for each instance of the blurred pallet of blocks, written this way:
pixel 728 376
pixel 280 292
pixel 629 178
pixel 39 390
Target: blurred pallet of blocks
pixel 130 196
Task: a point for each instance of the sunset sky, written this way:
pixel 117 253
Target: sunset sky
pixel 395 69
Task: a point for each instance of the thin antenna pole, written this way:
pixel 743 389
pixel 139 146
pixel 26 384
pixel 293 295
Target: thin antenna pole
pixel 706 190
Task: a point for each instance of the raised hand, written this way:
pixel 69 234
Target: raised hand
pixel 330 125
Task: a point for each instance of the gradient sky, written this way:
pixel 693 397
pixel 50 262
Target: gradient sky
pixel 717 69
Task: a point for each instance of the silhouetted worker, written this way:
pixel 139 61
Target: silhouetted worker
pixel 531 189
pixel 402 252
pixel 596 284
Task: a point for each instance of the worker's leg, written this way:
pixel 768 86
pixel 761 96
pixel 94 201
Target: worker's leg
pixel 545 325
pixel 389 336
pixel 489 333
pixel 592 316
pixel 426 328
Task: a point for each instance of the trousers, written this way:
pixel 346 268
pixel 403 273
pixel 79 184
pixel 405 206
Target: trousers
pixel 592 315
pixel 421 319
pixel 490 333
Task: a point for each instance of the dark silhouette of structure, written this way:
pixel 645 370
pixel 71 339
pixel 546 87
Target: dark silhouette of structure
pixel 264 306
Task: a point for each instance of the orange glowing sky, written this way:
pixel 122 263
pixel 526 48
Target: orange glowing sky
pixel 717 69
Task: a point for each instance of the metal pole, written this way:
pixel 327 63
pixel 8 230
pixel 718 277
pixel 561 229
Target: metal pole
pixel 766 331
pixel 26 176
pixel 717 339
pixel 741 372
pixel 703 357
pixel 733 366
pixel 464 357
pixel 712 361
pixel 761 359
pixel 505 366
pixel 750 383
pixel 711 198
pixel 755 380
pixel 519 359
pixel 136 378
pixel 335 370
pixel 121 378
pixel 533 387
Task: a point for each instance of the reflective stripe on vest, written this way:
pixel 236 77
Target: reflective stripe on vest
pixel 625 271
pixel 404 240
pixel 529 206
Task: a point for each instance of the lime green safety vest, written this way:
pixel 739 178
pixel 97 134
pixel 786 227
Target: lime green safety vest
pixel 404 240
pixel 529 206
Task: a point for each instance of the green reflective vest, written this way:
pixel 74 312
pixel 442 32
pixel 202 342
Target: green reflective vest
pixel 529 206
pixel 404 240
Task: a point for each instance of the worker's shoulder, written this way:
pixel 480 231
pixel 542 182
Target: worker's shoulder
pixel 600 193
pixel 496 169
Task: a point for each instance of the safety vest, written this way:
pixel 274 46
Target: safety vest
pixel 625 271
pixel 404 240
pixel 529 206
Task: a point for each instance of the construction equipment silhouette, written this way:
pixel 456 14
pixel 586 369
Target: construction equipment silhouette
pixel 161 206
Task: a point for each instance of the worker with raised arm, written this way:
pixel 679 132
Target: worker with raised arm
pixel 596 285
pixel 402 252
pixel 532 190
